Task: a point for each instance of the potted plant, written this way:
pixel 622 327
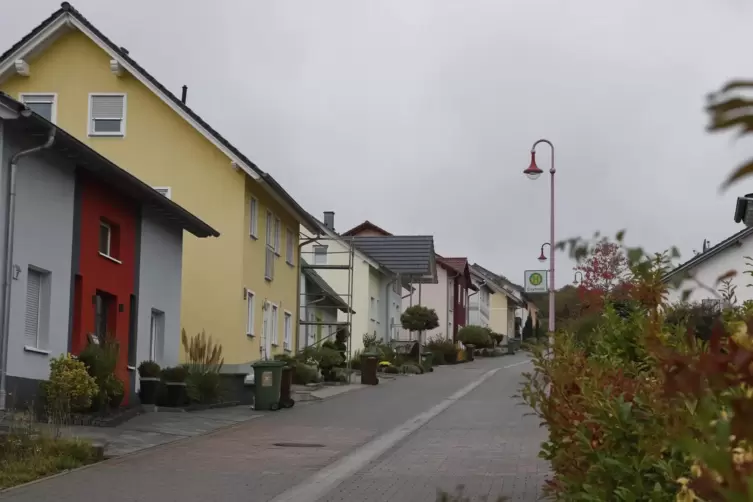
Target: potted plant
pixel 175 381
pixel 149 379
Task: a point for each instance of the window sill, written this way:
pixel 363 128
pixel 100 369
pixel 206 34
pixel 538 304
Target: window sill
pixel 289 263
pixel 34 350
pixel 254 237
pixel 250 335
pixel 268 279
pixel 110 258
pixel 131 368
pixel 275 344
pixel 107 135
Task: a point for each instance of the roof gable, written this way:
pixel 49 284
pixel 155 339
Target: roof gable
pixel 710 252
pixel 366 228
pixel 68 18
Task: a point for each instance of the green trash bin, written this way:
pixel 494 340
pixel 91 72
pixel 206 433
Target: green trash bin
pixel 427 360
pixel 267 384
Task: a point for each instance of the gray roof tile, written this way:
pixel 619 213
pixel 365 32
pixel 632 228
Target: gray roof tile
pixel 407 255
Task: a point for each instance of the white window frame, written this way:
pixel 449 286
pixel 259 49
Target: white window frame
pixel 90 126
pixel 269 248
pixel 325 249
pixel 278 227
pixel 165 191
pixel 43 311
pixel 250 312
pixel 253 214
pixel 274 314
pixel 106 225
pixel 289 246
pixel 287 326
pixel 156 331
pixel 22 97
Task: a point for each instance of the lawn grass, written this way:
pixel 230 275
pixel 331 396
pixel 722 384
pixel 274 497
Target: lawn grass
pixel 26 456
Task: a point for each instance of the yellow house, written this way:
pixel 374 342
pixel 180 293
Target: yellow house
pixel 506 303
pixel 241 288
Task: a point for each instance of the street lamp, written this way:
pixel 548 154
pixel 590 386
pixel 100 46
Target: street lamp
pixel 533 172
pixel 542 256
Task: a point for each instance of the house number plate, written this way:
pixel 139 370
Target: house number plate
pixel 266 379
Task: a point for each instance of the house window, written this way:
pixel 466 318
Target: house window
pixel 250 304
pixel 277 236
pixel 320 255
pixel 269 259
pixel 107 114
pixel 288 328
pixel 44 105
pixel 166 191
pixel 109 240
pixel 289 246
pixel 156 335
pixel 254 218
pixel 275 327
pixel 37 308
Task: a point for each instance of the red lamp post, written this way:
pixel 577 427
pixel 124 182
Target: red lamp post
pixel 534 172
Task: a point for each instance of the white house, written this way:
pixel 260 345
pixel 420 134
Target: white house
pixel 479 302
pixel 706 268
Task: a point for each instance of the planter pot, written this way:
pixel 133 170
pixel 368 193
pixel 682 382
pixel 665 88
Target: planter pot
pixel 176 393
pixel 148 390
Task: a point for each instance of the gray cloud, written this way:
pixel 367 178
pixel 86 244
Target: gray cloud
pixel 418 114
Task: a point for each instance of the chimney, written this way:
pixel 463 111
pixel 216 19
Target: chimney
pixel 329 220
pixel 744 210
pixel 184 95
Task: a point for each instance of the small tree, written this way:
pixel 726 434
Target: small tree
pixel 419 318
pixel 528 328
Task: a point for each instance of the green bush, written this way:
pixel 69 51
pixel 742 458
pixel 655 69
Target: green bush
pixel 410 369
pixel 101 360
pixel 204 388
pixel 69 389
pixel 391 369
pixel 355 360
pixel 419 318
pixel 175 374
pixel 478 336
pixel 443 350
pixel 305 374
pixel 149 369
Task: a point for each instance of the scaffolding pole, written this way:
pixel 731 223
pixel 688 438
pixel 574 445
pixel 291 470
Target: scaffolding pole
pixel 325 266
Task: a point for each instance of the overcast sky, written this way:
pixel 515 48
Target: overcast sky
pixel 419 114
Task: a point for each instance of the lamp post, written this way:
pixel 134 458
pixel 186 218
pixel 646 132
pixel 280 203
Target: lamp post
pixel 542 256
pixel 533 172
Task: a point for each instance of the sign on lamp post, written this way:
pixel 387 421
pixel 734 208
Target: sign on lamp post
pixel 536 281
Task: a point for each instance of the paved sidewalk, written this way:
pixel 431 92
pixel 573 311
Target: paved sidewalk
pixel 258 459
pixel 483 442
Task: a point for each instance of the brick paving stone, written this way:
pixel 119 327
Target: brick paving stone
pixel 241 463
pixel 484 442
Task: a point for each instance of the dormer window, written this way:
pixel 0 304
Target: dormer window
pixel 43 104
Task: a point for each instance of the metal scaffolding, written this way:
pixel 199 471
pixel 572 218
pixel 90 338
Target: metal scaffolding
pixel 317 263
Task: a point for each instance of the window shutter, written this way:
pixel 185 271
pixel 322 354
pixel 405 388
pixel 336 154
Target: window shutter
pixel 107 107
pixel 33 300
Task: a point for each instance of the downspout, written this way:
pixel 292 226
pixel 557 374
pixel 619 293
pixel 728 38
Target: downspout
pixel 388 307
pixel 10 226
pixel 447 308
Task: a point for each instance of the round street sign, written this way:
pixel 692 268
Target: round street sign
pixel 535 279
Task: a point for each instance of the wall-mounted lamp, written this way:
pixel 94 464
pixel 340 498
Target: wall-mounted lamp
pixel 16 272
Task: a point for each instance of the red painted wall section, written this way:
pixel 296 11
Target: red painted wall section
pixel 113 276
pixel 458 310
